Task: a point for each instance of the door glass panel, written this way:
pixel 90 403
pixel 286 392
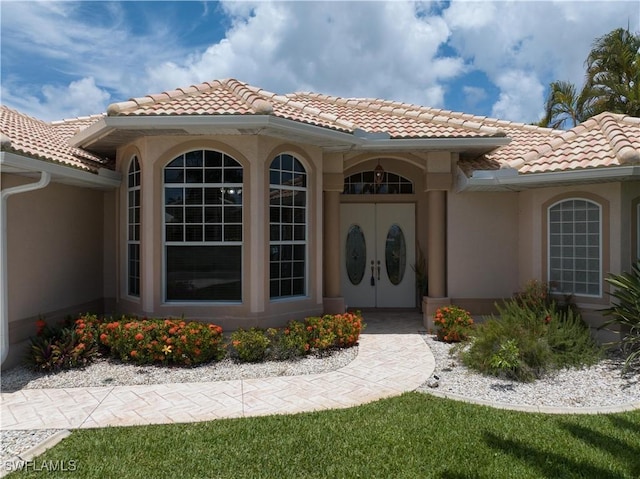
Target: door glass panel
pixel 356 254
pixel 395 253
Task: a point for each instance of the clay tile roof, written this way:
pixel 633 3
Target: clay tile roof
pixel 34 138
pixel 607 139
pixel 232 97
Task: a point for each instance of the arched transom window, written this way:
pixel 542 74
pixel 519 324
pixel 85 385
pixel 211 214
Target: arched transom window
pixel 365 183
pixel 203 227
pixel 287 227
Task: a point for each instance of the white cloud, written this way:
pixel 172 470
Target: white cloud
pixel 78 98
pixel 521 96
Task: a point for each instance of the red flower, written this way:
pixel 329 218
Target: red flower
pixel 139 337
pixel 41 324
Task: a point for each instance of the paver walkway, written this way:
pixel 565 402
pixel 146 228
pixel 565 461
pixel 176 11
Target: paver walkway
pixel 392 358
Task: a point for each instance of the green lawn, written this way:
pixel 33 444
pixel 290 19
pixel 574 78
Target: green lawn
pixel 411 436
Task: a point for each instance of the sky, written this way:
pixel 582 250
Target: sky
pixel 68 59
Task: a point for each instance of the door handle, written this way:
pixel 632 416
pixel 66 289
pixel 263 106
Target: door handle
pixel 373 280
pixel 378 270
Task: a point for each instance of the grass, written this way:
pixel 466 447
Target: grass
pixel 411 436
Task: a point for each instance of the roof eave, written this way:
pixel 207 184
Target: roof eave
pixel 328 138
pixel 506 180
pixel 480 144
pixel 103 179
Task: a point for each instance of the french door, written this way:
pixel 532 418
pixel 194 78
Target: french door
pixel 378 252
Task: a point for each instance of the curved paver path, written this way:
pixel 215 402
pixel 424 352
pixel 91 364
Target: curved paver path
pixel 392 358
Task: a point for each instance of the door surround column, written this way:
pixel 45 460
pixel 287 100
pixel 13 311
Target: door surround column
pixel 333 302
pixel 438 180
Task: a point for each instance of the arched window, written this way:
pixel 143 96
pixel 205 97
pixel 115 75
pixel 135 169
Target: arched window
pixel 365 183
pixel 287 227
pixel 575 247
pixel 133 228
pixel 203 227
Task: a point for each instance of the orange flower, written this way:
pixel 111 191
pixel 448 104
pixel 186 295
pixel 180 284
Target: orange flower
pixel 104 337
pixel 139 337
pixel 133 353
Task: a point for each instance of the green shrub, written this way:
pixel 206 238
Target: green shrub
pixel 625 311
pixel 289 342
pixel 165 341
pixel 570 341
pixel 528 339
pixel 453 324
pixel 249 345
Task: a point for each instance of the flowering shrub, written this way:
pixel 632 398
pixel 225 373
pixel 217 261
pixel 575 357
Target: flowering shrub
pixel 453 324
pixel 535 297
pixel 347 328
pixel 166 341
pixel 320 332
pixel 177 342
pixel 297 338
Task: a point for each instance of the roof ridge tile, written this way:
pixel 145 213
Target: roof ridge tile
pixel 617 138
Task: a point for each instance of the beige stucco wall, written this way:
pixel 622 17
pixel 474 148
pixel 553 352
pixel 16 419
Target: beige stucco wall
pixel 55 239
pixel 482 245
pixel 255 154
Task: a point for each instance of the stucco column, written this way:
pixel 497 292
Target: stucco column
pixel 333 302
pixel 438 180
pixel 436 244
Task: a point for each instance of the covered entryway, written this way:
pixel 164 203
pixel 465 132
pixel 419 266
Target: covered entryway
pixel 377 255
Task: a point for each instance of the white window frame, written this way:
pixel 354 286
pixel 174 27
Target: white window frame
pixel 134 172
pixel 600 249
pixel 166 243
pixel 292 242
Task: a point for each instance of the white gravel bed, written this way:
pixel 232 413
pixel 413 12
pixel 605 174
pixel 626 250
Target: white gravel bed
pixel 601 385
pixel 105 372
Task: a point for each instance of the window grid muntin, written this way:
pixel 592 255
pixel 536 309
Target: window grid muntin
pixel 574 247
pixel 363 183
pixel 287 227
pixel 203 192
pixel 133 228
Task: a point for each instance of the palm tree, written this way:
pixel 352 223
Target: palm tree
pixel 612 83
pixel 564 106
pixel 613 73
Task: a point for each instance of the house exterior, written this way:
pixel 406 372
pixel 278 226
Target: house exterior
pixel 227 203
